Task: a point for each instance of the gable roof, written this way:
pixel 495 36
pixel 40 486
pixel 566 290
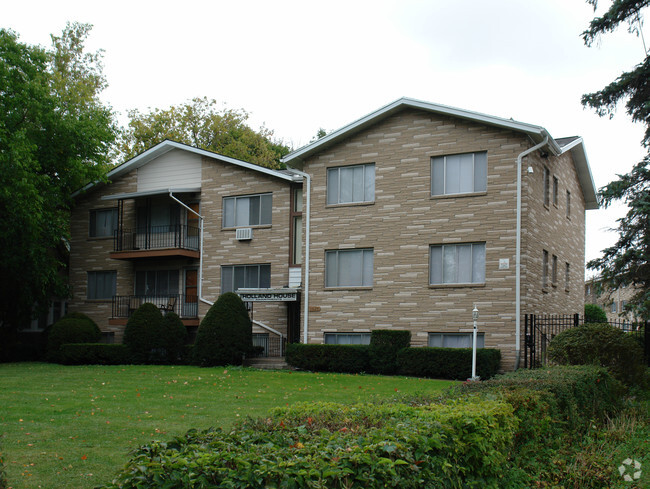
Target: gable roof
pixel 168 145
pixel 535 133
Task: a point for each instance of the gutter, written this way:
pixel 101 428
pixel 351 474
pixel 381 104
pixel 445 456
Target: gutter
pixel 518 252
pixel 307 177
pixel 200 284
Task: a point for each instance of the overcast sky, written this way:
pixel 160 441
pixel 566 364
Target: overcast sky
pixel 296 66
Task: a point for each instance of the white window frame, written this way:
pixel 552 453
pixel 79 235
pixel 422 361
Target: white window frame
pixel 243 218
pixel 92 291
pixel 437 340
pixel 347 338
pixel 260 281
pixel 476 249
pixel 333 264
pixel 94 216
pixel 446 161
pixel 334 196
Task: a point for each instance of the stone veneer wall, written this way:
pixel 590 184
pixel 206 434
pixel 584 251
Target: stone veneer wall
pixel 405 220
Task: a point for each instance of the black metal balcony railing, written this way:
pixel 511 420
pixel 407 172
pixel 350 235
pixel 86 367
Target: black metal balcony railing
pixel 186 306
pixel 157 237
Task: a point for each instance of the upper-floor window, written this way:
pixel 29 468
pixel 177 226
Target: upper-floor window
pixel 351 184
pixel 568 203
pixel 296 227
pixel 547 186
pixel 101 285
pixel 554 271
pixel 156 282
pixel 102 223
pixel 457 264
pixel 247 210
pixel 556 186
pixel 613 307
pixel 459 174
pixel 544 268
pixel 567 276
pixel 349 268
pixel 235 277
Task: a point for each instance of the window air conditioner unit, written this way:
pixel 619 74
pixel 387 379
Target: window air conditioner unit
pixel 244 234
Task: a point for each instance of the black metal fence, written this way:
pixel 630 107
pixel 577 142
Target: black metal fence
pixel 157 237
pixel 540 329
pixel 186 306
pixel 273 346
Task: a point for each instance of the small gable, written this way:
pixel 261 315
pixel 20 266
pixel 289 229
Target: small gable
pixel 176 168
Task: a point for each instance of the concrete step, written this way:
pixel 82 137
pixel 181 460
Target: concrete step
pixel 268 363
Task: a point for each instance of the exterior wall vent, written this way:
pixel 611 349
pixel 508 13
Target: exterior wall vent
pixel 244 234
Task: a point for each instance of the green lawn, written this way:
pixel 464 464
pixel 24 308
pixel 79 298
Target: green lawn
pixel 72 427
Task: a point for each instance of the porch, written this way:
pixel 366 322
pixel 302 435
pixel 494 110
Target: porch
pixel 155 241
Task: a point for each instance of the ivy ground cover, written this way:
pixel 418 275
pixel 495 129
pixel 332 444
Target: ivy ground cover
pixel 75 426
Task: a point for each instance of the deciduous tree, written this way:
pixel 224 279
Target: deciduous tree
pixel 54 137
pixel 202 124
pixel 628 261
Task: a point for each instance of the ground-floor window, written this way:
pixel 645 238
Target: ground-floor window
pixel 455 340
pixel 235 277
pixel 347 338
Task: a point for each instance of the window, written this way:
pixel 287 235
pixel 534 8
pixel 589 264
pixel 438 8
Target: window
pixel 554 271
pixel 567 269
pixel 568 203
pixel 459 174
pixel 296 227
pixel 623 304
pixel 158 218
pixel 351 184
pixel 555 191
pixel 544 268
pixel 613 307
pixel 102 223
pixel 156 282
pixel 101 285
pixel 349 268
pixel 347 338
pixel 455 340
pixel 250 210
pixel 547 182
pixel 457 264
pixel 235 277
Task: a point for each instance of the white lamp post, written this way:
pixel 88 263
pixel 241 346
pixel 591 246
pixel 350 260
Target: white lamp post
pixel 475 318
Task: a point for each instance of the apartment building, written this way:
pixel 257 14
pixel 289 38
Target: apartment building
pixel 404 219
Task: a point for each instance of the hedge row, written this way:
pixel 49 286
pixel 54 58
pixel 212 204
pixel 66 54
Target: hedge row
pixel 94 354
pixel 439 363
pixel 494 434
pixel 458 444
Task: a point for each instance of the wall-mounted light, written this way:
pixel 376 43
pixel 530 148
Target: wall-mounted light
pixel 530 170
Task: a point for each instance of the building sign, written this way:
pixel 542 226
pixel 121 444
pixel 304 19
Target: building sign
pixel 268 295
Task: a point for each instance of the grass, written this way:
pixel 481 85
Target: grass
pixel 73 427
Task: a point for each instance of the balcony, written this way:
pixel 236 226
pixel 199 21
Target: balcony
pixel 186 306
pixel 172 240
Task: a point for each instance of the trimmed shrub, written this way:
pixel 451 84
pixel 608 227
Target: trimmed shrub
pixel 173 337
pixel 448 363
pixel 225 335
pixel 72 328
pixel 328 358
pixel 384 345
pixel 595 314
pixel 142 334
pixel 94 354
pixel 459 444
pixel 603 345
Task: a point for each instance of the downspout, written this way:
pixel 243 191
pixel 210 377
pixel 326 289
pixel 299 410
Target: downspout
pixel 307 177
pixel 200 284
pixel 518 253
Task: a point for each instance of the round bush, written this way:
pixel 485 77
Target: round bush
pixel 595 314
pixel 142 334
pixel 225 334
pixel 600 344
pixel 173 335
pixel 72 328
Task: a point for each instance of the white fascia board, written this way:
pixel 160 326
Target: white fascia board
pixel 585 177
pixel 536 132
